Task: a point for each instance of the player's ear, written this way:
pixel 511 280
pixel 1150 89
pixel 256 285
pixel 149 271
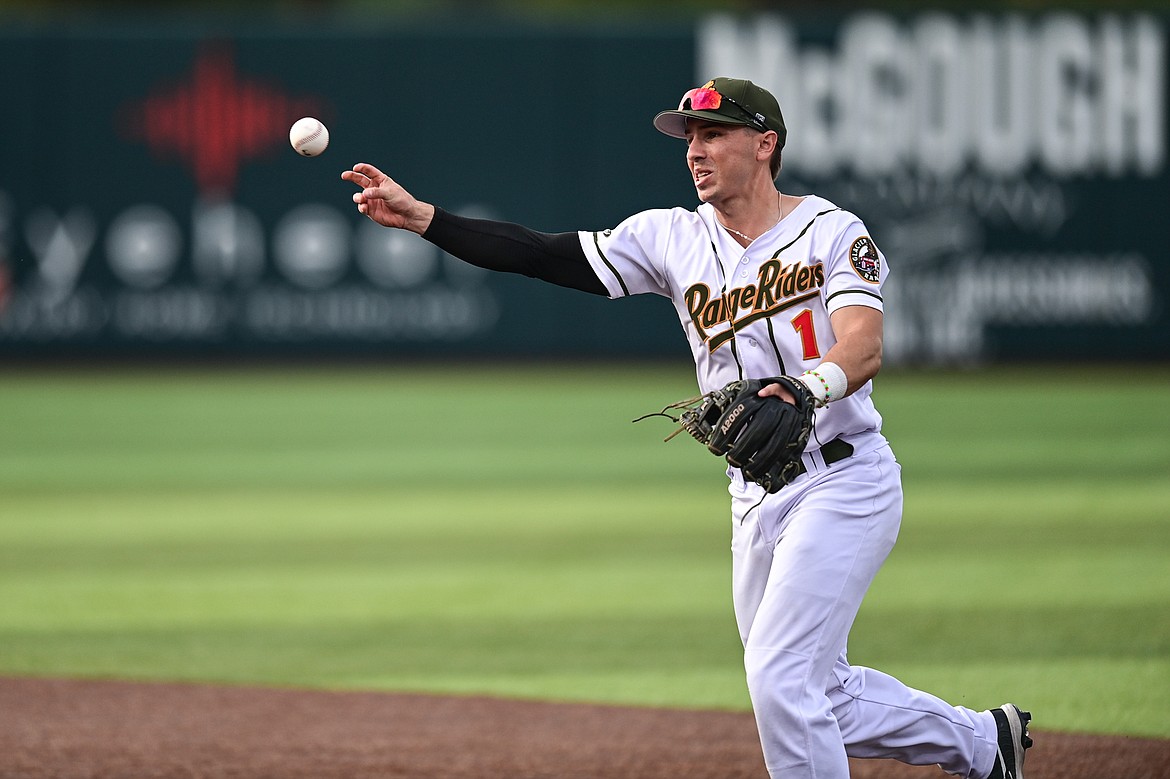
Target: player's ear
pixel 766 144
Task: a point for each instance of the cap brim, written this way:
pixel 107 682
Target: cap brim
pixel 674 123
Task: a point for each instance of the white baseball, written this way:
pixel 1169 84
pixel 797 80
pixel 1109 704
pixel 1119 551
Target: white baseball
pixel 308 136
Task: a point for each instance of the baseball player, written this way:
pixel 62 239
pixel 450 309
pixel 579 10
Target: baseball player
pixel 767 284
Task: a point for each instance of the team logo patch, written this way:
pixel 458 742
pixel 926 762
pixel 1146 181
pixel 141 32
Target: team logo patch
pixel 864 256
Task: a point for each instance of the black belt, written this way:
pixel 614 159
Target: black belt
pixel 834 451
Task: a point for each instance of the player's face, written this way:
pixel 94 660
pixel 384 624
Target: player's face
pixel 721 158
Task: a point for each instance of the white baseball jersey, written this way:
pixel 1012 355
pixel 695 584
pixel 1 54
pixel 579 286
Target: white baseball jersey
pixel 754 312
pixel 803 559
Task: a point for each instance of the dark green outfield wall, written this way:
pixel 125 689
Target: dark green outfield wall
pixel 1012 169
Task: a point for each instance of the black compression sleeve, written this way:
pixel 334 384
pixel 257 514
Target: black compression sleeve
pixel 503 246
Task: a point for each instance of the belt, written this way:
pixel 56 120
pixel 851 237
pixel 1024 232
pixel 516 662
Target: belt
pixel 834 451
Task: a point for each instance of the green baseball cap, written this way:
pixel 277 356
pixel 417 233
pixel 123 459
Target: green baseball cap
pixel 726 101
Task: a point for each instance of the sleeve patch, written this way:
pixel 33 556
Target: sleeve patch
pixel 864 257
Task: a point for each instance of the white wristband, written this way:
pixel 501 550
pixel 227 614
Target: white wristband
pixel 827 382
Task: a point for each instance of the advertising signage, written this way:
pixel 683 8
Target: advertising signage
pixel 1011 168
pixel 1013 171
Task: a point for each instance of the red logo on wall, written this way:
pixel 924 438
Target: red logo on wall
pixel 214 120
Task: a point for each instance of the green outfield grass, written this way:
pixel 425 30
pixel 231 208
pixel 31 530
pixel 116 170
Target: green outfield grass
pixel 509 531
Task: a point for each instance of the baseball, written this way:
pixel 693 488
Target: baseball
pixel 308 136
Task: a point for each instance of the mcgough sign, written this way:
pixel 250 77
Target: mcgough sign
pixel 1009 168
pixel 1069 94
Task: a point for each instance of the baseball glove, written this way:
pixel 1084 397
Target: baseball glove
pixel 762 436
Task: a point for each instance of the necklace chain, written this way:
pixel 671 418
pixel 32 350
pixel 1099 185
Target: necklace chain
pixel 748 238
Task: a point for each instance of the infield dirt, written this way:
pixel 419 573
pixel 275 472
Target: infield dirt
pixel 103 729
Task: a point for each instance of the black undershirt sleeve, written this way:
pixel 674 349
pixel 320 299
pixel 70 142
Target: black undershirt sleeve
pixel 503 246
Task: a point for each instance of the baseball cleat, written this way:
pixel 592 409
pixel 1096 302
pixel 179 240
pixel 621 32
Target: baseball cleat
pixel 1014 741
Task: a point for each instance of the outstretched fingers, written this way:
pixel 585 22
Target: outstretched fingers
pixel 367 177
pixel 369 171
pixel 364 175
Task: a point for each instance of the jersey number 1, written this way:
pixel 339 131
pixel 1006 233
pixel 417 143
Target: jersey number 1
pixel 803 324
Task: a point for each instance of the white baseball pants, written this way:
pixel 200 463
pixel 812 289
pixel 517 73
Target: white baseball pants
pixel 802 562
